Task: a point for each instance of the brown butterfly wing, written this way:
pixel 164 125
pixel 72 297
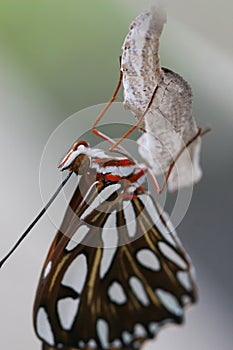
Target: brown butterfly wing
pixel 117 281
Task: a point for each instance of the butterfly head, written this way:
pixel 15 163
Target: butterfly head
pixel 77 159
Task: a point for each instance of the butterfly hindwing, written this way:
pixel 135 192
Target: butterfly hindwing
pixel 121 276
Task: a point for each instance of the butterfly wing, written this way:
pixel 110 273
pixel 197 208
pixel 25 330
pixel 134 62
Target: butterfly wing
pixel 118 280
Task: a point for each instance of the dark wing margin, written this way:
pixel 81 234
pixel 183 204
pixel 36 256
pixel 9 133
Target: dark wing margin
pixel 93 296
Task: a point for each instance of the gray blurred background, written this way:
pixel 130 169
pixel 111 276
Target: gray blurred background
pixel 58 57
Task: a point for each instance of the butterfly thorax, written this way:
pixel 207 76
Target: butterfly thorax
pixel 82 159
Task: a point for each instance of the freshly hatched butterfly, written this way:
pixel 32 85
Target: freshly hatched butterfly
pixel 161 101
pixel 116 271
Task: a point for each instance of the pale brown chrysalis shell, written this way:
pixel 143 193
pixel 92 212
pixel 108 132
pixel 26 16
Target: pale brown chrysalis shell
pixel 169 123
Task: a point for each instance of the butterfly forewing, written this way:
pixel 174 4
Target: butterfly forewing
pixel 113 277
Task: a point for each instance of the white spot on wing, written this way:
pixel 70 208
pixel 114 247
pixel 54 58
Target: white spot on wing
pixel 47 269
pixel 91 344
pixel 67 311
pixel 139 291
pixel 184 279
pixel 126 170
pixel 186 299
pixel 172 255
pixel 43 327
pixel 127 337
pixel 116 344
pixel 77 237
pixel 153 327
pixel 103 332
pixel 76 274
pixel 81 344
pixel 169 301
pixel 130 218
pixel 117 170
pixel 154 215
pixel 109 170
pixel 101 197
pixel 108 191
pixel 139 331
pixel 148 259
pixel 116 293
pixel 110 241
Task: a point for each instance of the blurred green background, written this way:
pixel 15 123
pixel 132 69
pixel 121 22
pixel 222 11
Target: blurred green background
pixel 67 50
pixel 57 57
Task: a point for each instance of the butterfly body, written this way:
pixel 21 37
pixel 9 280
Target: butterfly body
pixel 116 271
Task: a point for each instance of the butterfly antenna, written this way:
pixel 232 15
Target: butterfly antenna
pixel 35 220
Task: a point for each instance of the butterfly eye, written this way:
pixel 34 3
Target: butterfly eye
pixel 80 165
pixel 70 161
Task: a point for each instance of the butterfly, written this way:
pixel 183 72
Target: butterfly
pixel 116 271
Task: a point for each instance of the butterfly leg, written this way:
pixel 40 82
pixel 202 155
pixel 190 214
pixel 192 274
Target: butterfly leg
pixel 100 116
pixel 137 124
pixel 115 145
